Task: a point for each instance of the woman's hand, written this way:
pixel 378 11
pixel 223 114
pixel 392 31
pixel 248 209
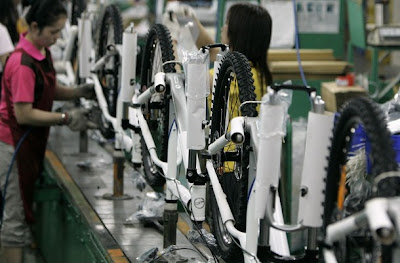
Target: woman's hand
pixel 178 15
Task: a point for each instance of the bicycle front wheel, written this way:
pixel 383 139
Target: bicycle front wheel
pixel 158 49
pixel 110 33
pixel 234 86
pixel 350 173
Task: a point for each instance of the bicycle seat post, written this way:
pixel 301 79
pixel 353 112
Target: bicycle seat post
pixel 85 63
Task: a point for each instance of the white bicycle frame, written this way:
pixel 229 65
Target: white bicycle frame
pixel 266 140
pixel 127 51
pixel 193 196
pixel 88 69
pixel 178 150
pixel 83 33
pixel 64 69
pixel 268 146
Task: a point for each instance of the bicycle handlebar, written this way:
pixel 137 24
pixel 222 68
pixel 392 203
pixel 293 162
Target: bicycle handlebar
pixel 216 45
pixel 308 89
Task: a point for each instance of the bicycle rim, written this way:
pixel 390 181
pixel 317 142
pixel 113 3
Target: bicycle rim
pixel 231 164
pixel 343 176
pixel 110 33
pixel 158 50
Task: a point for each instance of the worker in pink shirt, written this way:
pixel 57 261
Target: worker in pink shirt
pixel 28 90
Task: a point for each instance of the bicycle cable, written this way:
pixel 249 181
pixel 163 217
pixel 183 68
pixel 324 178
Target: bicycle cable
pixel 3 198
pixel 202 236
pixel 195 225
pixel 180 198
pixel 245 251
pixel 248 102
pixel 296 28
pixel 187 213
pixel 172 62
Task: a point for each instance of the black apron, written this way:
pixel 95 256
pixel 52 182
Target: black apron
pixel 31 153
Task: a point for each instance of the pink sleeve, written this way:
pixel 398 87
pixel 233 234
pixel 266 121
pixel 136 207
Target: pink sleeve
pixel 23 84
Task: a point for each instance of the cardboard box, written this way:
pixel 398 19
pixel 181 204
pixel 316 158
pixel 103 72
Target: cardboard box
pixel 309 67
pixel 275 54
pixel 334 96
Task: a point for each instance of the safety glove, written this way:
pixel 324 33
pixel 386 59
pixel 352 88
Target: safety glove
pixel 77 119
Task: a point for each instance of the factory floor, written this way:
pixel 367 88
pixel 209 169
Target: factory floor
pixel 92 172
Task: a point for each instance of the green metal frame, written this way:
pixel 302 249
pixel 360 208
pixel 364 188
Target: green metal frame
pixel 358 38
pixel 60 229
pixel 334 41
pixel 66 227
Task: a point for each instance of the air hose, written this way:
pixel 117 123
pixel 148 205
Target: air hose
pixel 3 197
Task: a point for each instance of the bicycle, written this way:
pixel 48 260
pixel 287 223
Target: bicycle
pixel 85 38
pixel 163 104
pixel 102 59
pixel 109 66
pixel 359 203
pixel 76 41
pixel 158 111
pixel 158 57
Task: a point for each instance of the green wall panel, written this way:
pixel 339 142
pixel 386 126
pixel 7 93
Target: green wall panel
pixel 60 230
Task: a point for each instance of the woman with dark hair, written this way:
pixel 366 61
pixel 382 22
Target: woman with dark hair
pixel 27 93
pixel 248 30
pixel 9 17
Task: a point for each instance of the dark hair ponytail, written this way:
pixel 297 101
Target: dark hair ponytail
pixel 26 3
pixel 9 17
pixel 253 37
pixel 45 12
